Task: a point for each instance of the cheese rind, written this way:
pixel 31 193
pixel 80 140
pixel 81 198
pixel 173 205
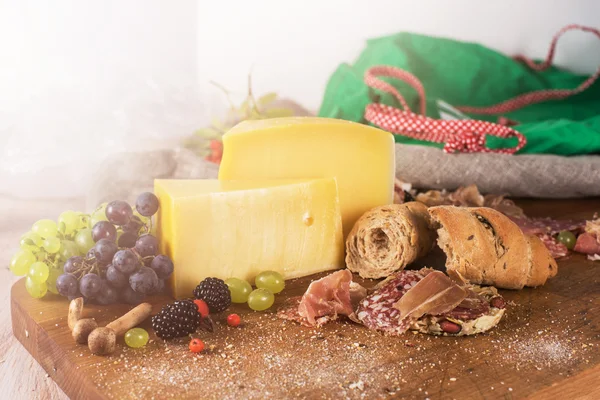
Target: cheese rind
pixel 238 229
pixel 360 157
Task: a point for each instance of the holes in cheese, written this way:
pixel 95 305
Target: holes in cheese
pixel 360 157
pixel 227 229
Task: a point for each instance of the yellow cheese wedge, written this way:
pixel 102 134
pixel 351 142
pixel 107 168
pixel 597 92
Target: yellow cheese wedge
pixel 361 158
pixel 238 229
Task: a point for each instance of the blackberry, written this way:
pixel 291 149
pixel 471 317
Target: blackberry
pixel 176 320
pixel 215 293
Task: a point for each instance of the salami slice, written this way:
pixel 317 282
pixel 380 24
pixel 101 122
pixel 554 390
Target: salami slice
pixel 377 311
pixel 478 308
pixel 555 248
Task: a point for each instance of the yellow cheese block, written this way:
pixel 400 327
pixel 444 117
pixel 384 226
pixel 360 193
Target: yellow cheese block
pixel 238 229
pixel 361 158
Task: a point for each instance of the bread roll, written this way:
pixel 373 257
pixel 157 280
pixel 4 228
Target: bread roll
pixel 388 238
pixel 487 248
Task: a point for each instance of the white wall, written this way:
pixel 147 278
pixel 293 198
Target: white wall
pixel 294 46
pixel 83 79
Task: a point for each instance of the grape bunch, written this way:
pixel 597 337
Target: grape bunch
pixel 123 264
pixel 45 248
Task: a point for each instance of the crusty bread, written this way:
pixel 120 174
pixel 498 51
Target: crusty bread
pixel 388 238
pixel 539 256
pixel 487 248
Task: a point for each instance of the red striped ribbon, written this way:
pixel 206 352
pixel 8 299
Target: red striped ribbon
pixel 461 136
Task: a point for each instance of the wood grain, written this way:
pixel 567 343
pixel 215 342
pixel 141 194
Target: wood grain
pixel 546 347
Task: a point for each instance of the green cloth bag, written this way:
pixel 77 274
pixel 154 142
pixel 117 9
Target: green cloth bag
pixel 458 73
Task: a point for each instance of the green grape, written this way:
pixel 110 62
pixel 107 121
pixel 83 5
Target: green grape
pixel 136 337
pixel 567 238
pixel 83 220
pixel 35 290
pixel 69 222
pixel 239 289
pixel 21 261
pixel 41 255
pixel 51 282
pixel 84 240
pixel 45 228
pixel 31 241
pixel 51 245
pixel 270 280
pixel 260 299
pixel 38 272
pixel 68 249
pixel 98 215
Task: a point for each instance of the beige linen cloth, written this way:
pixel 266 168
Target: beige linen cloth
pixel 542 176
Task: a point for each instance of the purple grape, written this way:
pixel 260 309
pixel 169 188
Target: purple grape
pixel 67 285
pixel 144 280
pixel 115 277
pixel 134 225
pixel 104 230
pixel 130 296
pixel 126 261
pixel 108 294
pixel 102 270
pixel 91 254
pixel 105 250
pixel 73 264
pixel 146 245
pixel 90 285
pixel 160 286
pixel 147 204
pixel 128 239
pixel 162 265
pixel 118 212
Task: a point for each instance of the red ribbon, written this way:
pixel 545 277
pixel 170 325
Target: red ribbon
pixel 462 136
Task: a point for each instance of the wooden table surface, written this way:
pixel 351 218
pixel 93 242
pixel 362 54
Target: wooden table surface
pixel 21 377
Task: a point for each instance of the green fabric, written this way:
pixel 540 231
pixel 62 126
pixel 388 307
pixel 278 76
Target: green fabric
pixel 461 73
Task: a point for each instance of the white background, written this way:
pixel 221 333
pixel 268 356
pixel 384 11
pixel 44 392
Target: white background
pixel 83 79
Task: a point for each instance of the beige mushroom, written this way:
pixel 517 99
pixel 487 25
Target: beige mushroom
pixel 75 310
pixel 82 329
pixel 102 341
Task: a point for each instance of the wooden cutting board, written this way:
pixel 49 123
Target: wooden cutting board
pixel 547 346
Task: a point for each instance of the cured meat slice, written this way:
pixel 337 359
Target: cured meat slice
pixel 555 248
pixel 377 311
pixel 324 300
pixel 434 294
pixel 587 244
pixel 289 311
pixel 543 226
pixel 474 306
pixel 480 311
pixel 327 296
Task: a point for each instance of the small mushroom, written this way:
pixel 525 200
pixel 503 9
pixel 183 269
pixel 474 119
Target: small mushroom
pixel 75 310
pixel 102 341
pixel 82 329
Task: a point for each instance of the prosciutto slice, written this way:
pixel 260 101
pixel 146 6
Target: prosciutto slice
pixel 324 300
pixel 434 294
pixel 587 244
